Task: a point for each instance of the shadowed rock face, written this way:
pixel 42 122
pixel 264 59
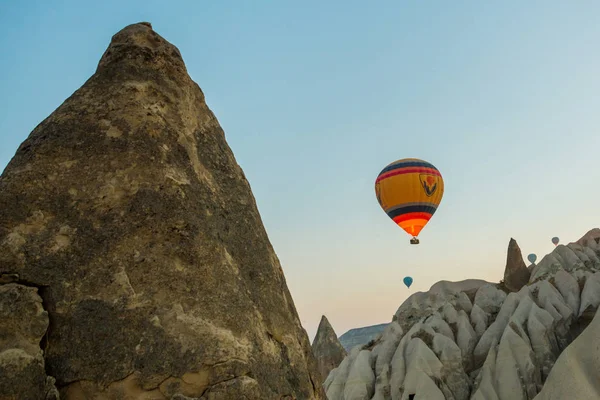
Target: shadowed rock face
pixel 568 380
pixel 327 348
pixel 472 340
pixel 23 323
pixel 126 205
pixel 516 274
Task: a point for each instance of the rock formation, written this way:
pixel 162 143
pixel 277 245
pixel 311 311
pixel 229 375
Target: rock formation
pixel 23 324
pixel 563 382
pixel 127 211
pixel 479 341
pixel 327 348
pixel 516 274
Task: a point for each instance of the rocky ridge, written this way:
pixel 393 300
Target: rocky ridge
pixel 481 341
pixel 359 336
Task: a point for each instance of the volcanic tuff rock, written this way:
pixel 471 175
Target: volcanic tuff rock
pixel 327 348
pixel 127 209
pixel 562 383
pixel 516 274
pixel 476 340
pixel 23 324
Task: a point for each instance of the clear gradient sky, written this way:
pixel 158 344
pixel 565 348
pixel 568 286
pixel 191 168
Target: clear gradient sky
pixel 316 97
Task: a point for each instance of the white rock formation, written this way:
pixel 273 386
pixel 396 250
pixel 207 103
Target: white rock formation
pixel 471 340
pixel 576 373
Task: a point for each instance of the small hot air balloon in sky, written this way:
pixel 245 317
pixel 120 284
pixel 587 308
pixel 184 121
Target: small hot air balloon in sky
pixel 532 257
pixel 408 281
pixel 409 191
pixel 555 240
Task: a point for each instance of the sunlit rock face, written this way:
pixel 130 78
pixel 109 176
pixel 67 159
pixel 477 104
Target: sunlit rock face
pixel 484 341
pixel 127 210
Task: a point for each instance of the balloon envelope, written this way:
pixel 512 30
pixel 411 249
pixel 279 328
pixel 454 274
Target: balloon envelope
pixel 408 281
pixel 555 240
pixel 532 257
pixel 409 191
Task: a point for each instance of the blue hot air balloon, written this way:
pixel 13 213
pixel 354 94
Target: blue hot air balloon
pixel 555 240
pixel 532 257
pixel 408 281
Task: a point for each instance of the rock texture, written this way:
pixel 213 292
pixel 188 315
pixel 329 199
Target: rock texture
pixel 327 348
pixel 478 340
pixel 23 325
pixel 576 373
pixel 127 209
pixel 516 273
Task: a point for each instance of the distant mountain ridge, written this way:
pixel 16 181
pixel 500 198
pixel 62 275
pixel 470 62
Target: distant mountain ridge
pixel 360 336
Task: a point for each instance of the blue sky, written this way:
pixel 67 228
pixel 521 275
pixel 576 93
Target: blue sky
pixel 317 97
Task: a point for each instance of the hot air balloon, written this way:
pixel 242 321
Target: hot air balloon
pixel 532 257
pixel 555 240
pixel 408 281
pixel 410 191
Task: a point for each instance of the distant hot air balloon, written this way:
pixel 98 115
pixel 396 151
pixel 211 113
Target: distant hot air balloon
pixel 408 281
pixel 555 240
pixel 532 257
pixel 410 191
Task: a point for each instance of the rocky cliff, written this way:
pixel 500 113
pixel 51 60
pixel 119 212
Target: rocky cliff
pixel 481 341
pixel 327 348
pixel 133 260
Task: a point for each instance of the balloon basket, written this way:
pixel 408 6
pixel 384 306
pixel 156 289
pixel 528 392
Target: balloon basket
pixel 414 241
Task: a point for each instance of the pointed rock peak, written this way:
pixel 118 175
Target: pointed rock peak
pixel 327 348
pixel 139 45
pixel 324 331
pixel 516 274
pixel 137 216
pixel 324 324
pixel 590 239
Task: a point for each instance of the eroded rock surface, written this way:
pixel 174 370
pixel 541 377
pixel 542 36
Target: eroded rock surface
pixel 576 372
pixel 127 205
pixel 23 325
pixel 327 348
pixel 480 341
pixel 516 274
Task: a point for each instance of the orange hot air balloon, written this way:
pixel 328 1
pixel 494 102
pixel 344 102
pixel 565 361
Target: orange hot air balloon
pixel 410 191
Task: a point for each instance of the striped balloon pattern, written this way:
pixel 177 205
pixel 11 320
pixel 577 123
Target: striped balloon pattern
pixel 409 191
